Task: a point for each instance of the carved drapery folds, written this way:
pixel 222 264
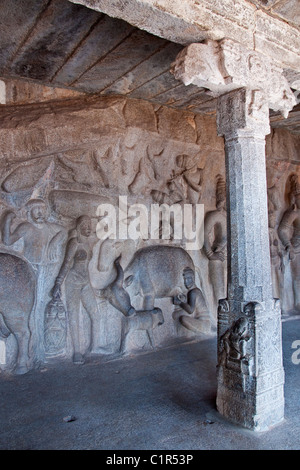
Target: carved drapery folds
pixel 246 84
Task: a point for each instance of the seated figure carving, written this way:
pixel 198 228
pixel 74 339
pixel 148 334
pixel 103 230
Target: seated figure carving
pixel 194 304
pixel 233 344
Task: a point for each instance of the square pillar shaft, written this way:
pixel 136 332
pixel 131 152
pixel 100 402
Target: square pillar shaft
pixel 250 372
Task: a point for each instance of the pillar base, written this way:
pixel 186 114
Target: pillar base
pixel 258 412
pixel 250 372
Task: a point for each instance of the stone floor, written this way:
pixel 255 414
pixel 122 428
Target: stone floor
pixel 158 401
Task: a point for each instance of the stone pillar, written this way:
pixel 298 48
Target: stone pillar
pixel 250 371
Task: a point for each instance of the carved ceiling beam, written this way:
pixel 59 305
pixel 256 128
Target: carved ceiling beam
pixel 191 21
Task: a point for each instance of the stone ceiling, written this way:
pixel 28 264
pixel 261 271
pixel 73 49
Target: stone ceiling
pixel 288 10
pixel 61 44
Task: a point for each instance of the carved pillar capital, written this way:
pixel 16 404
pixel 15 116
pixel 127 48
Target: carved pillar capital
pixel 243 111
pixel 224 66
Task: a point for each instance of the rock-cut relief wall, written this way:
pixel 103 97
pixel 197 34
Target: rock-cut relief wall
pixel 77 281
pixel 69 290
pixel 283 185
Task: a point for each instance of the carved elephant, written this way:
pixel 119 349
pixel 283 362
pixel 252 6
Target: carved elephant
pixel 156 272
pixel 17 297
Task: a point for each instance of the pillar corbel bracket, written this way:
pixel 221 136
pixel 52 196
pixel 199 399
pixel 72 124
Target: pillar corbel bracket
pixel 224 66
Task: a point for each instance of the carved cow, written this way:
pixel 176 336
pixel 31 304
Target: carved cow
pixel 156 272
pixel 17 296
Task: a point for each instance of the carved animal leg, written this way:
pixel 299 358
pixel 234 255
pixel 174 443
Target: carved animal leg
pixel 151 337
pixel 148 302
pixel 147 289
pixel 22 338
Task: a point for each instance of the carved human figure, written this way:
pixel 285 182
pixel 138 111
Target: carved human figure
pixel 41 243
pixel 184 185
pixel 146 178
pixel 215 243
pixel 273 177
pixel 40 236
pixel 189 178
pixel 289 234
pixel 233 343
pixel 277 265
pixel 194 304
pixel 74 273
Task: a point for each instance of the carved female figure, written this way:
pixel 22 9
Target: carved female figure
pixel 74 274
pixel 289 234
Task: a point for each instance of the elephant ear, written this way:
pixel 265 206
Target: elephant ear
pixel 128 281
